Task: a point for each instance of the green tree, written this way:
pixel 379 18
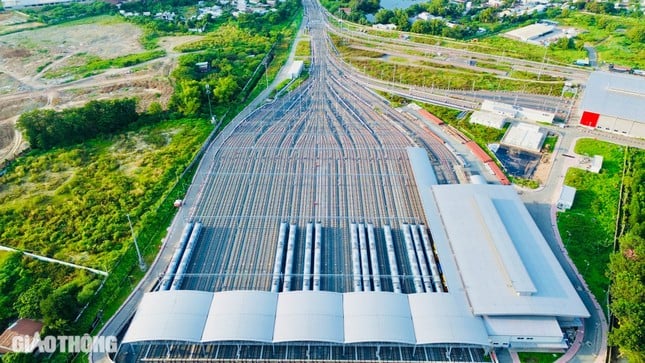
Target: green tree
pixel 401 20
pixel 186 98
pixel 384 16
pixel 155 109
pixel 14 279
pixel 28 303
pixel 60 308
pixel 487 15
pixel 420 26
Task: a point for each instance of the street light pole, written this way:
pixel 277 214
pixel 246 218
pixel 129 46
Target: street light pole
pixel 142 264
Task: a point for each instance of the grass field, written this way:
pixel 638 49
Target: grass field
pixel 539 357
pixel 587 229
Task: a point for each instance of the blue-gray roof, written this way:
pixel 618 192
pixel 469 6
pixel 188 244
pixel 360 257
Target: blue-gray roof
pixel 617 95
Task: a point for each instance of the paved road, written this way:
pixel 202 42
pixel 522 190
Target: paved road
pixel 592 54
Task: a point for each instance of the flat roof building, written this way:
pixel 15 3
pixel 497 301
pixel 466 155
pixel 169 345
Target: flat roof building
pixel 567 195
pixel 614 102
pixel 524 136
pixel 531 32
pixel 517 112
pixel 488 119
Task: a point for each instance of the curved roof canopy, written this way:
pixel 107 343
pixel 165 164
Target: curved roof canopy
pixel 170 315
pixel 310 316
pixel 303 316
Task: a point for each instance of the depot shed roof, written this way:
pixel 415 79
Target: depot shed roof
pixel 617 95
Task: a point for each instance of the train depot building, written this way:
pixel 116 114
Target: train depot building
pixel 615 102
pixel 471 275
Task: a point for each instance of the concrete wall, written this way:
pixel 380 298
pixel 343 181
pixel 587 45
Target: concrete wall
pixel 621 126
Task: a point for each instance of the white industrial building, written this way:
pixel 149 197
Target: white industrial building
pixel 517 112
pixel 567 195
pixel 488 119
pixel 505 288
pixel 615 103
pixel 531 33
pixel 525 136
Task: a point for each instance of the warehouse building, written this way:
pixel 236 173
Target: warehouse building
pixel 524 136
pixel 492 282
pixel 614 102
pixel 488 119
pixel 517 112
pixel 531 33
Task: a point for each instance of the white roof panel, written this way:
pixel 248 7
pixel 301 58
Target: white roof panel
pixel 481 265
pixel 424 174
pixel 523 326
pixel 616 95
pixel 442 318
pixel 531 31
pixel 170 315
pixel 567 194
pixel 309 316
pixel 524 136
pixel 377 317
pixel 489 119
pixel 241 315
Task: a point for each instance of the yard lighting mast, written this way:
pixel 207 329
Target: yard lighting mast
pixel 142 264
pixel 208 96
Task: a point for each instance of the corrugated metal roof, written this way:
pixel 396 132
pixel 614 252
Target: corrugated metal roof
pixel 489 119
pixel 531 31
pixel 617 95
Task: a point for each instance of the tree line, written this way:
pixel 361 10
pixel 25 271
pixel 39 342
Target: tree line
pixel 627 265
pixel 46 129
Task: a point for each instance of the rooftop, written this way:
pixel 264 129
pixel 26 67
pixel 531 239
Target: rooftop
pixel 500 253
pixel 617 95
pixel 317 316
pixel 524 136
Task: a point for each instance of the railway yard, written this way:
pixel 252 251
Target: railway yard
pixel 301 205
pixel 321 179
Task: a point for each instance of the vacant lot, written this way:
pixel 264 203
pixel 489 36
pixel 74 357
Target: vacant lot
pixel 34 68
pixel 15 21
pixel 27 53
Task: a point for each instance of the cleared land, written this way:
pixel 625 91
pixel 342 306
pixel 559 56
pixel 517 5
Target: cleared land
pixel 37 69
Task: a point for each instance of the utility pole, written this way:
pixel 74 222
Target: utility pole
pixel 210 110
pixel 142 264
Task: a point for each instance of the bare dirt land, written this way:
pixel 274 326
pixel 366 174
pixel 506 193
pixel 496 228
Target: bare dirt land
pixel 25 56
pixel 13 21
pixel 27 53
